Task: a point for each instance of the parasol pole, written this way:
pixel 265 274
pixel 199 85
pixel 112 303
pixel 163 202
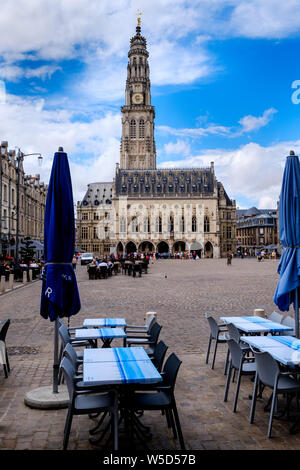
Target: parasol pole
pixel 296 307
pixel 55 360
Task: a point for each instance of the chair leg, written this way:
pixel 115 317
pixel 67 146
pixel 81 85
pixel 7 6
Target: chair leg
pixel 7 361
pixel 237 390
pixel 115 422
pixel 67 428
pixel 181 441
pixel 254 397
pixel 208 349
pixel 226 362
pixel 215 352
pixel 172 423
pixel 272 413
pixel 228 381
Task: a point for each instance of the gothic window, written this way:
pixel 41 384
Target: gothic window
pixel 146 225
pixel 95 232
pixel 133 129
pixel 228 231
pixel 194 224
pixel 134 225
pixel 181 224
pixel 142 128
pixel 158 225
pixel 206 224
pixel 122 224
pixel 171 224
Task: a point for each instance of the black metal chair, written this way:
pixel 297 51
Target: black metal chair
pixel 103 272
pixel 162 399
pixel 239 362
pixel 141 329
pixel 215 334
pixel 66 338
pixel 148 340
pixel 235 334
pixel 84 403
pixel 269 375
pixel 92 272
pixel 159 355
pixel 3 332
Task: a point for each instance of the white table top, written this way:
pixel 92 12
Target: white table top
pixel 119 370
pixel 111 354
pixel 100 322
pixel 99 333
pixel 285 349
pixel 254 324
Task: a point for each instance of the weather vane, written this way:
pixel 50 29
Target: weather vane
pixel 139 14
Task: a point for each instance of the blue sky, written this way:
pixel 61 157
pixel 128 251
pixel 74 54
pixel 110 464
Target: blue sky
pixel 221 75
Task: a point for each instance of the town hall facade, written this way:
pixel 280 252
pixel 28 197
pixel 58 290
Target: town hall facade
pixel 145 208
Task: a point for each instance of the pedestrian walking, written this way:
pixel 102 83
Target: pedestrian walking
pixel 229 258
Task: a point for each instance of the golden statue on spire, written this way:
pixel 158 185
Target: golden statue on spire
pixel 139 14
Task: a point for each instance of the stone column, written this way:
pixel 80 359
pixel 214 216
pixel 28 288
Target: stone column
pixel 2 284
pixel 11 281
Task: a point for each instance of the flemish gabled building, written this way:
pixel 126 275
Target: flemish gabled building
pixel 157 209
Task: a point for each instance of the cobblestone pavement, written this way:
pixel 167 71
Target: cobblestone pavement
pixel 181 292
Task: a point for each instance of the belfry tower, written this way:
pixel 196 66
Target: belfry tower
pixel 137 144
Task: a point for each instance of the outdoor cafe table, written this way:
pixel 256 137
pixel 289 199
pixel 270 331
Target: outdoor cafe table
pixel 104 322
pixel 284 349
pixel 119 367
pixel 105 334
pixel 256 325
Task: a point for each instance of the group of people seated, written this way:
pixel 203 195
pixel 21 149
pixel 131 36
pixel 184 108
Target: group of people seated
pixel 101 268
pixel 131 263
pixel 9 266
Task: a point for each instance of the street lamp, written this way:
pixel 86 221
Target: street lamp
pixel 20 158
pixel 2 154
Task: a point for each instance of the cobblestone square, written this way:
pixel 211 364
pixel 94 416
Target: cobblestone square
pixel 181 292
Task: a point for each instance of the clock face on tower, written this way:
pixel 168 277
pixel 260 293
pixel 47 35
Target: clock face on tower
pixel 137 98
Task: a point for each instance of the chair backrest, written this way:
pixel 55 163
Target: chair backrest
pixel 235 352
pixel 233 332
pixel 154 332
pixel 4 330
pixel 69 373
pixel 289 321
pixel 214 329
pixel 159 355
pixel 276 317
pixel 64 334
pixel 70 353
pixel 171 368
pixel 267 368
pixel 149 322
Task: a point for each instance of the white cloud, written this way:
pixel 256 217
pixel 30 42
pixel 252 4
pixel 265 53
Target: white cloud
pixel 42 130
pixel 265 19
pixel 179 147
pixel 248 124
pixel 252 171
pixel 252 123
pixel 14 73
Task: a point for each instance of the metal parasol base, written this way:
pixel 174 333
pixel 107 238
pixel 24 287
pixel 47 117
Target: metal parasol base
pixel 44 398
